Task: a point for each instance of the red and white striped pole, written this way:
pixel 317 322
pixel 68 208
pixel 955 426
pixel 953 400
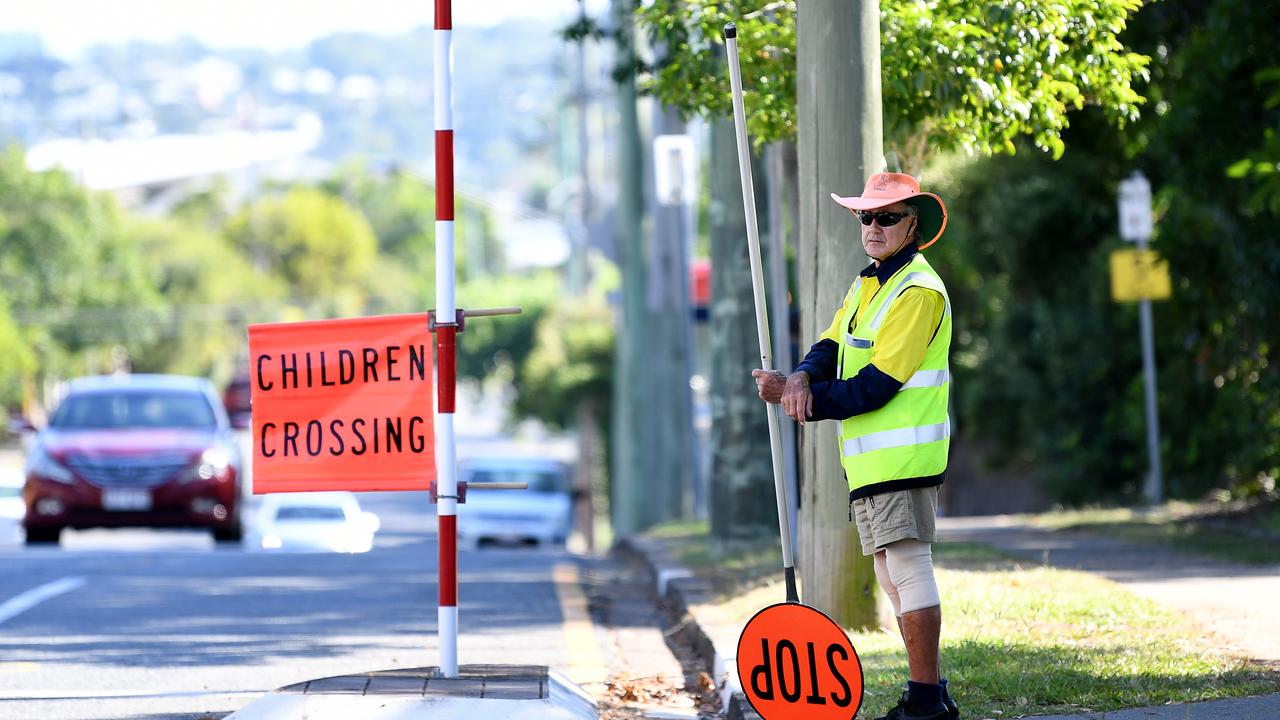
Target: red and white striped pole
pixel 446 339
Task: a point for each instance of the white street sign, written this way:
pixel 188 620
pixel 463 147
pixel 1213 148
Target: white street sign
pixel 1135 208
pixel 675 170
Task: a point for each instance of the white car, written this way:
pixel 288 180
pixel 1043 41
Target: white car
pixel 542 514
pixel 12 507
pixel 312 522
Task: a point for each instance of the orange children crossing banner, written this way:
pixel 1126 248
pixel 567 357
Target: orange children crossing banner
pixel 342 405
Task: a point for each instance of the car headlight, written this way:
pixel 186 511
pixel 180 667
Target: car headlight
pixel 212 463
pixel 271 542
pixel 41 463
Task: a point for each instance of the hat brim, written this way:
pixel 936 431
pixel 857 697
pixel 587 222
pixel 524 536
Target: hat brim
pixel 931 210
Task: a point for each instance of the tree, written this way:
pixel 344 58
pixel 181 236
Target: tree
pixel 1029 247
pixel 211 292
pixel 968 75
pixel 17 362
pixel 568 382
pixel 839 79
pixel 741 482
pixel 322 248
pixel 74 280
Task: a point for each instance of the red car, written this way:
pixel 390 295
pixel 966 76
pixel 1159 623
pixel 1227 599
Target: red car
pixel 135 451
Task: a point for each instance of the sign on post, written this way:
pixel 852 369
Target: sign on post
pixel 795 663
pixel 342 405
pixel 675 170
pixel 1135 208
pixel 1139 275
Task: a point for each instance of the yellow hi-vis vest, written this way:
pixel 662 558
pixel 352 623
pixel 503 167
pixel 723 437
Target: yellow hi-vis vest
pixel 903 444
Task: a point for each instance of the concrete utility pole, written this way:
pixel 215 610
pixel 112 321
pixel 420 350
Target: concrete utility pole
pixel 741 465
pixel 631 499
pixel 578 261
pixel 671 334
pixel 840 145
pixel 780 310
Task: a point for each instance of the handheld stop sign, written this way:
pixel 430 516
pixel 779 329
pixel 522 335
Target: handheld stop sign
pixel 794 662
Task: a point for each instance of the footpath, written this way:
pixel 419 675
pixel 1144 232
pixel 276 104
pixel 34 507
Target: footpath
pixel 1235 604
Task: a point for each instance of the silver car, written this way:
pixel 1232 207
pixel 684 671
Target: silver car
pixel 312 522
pixel 542 514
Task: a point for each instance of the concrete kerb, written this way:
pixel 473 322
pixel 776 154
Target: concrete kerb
pixel 713 639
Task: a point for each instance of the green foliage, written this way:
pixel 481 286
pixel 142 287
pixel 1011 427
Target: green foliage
pixel 1220 331
pixel 72 279
pixel 500 345
pixel 79 277
pixel 211 292
pixel 693 77
pixel 1039 368
pixel 969 75
pixel 17 359
pixel 571 362
pixel 322 248
pixel 1262 166
pixel 1046 364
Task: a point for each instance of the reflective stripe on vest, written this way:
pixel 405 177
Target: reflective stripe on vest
pixel 852 341
pixel 923 279
pixel 927 378
pixel 901 437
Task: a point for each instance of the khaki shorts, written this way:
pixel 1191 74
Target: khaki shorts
pixel 897 515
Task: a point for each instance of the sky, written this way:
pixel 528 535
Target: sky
pixel 70 26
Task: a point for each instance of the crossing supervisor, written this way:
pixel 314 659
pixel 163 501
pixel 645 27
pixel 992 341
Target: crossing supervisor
pixel 881 371
pixel 342 404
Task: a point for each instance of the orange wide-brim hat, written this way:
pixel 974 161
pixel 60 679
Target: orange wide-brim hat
pixel 887 188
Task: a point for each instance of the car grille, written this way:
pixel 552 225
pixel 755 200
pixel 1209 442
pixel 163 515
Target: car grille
pixel 129 472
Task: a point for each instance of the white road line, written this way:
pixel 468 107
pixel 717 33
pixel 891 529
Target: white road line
pixel 34 597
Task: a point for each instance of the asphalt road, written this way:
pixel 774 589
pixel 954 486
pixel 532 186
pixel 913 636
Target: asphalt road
pixel 166 625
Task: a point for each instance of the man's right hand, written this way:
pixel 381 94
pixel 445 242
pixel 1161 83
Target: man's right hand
pixel 797 401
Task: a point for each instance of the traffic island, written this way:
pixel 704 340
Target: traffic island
pixel 493 692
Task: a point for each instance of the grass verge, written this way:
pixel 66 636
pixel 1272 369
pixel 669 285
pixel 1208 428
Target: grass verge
pixel 1019 640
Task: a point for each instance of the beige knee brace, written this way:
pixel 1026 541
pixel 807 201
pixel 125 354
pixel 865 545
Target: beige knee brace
pixel 882 575
pixel 909 565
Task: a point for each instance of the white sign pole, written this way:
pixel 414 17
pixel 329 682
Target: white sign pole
pixel 446 349
pixel 1136 226
pixel 762 312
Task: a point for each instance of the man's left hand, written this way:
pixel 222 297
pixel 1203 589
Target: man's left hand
pixel 770 383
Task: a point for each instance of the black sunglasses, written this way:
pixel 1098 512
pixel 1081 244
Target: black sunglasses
pixel 886 219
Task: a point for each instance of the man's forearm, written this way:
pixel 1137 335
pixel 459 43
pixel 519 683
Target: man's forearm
pixel 869 390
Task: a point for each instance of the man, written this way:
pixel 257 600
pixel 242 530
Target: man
pixel 881 370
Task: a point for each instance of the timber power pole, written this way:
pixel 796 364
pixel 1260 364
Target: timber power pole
pixel 840 145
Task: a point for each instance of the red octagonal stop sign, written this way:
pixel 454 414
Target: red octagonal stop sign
pixel 796 663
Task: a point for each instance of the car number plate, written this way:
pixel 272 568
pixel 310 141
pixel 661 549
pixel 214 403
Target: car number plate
pixel 126 500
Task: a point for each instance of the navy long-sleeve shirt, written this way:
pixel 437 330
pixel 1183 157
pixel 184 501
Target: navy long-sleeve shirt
pixel 835 399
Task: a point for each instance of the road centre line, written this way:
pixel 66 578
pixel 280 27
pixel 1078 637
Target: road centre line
pixel 31 598
pixel 586 662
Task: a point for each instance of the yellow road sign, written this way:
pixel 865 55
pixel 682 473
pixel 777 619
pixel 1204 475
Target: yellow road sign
pixel 1139 275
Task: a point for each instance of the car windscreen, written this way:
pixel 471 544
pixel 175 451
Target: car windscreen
pixel 540 480
pixel 310 512
pixel 102 410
